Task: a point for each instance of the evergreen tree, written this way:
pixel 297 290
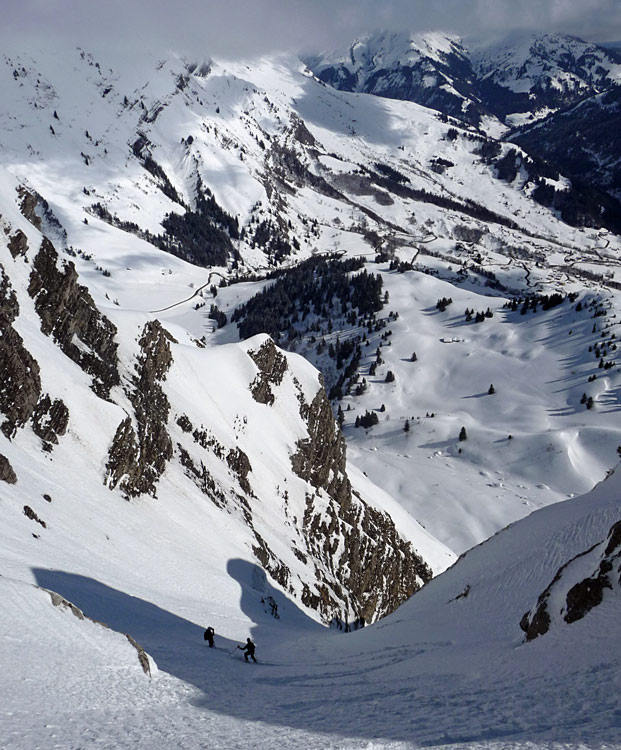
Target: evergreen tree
pixel 463 435
pixel 406 428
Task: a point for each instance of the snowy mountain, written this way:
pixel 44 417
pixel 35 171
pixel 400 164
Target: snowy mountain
pixel 174 236
pixel 512 80
pixel 531 76
pixel 581 140
pixel 114 401
pixel 433 70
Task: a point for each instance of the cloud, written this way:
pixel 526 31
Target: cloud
pixel 233 28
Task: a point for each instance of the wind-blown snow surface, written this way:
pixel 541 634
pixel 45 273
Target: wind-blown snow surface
pixel 449 668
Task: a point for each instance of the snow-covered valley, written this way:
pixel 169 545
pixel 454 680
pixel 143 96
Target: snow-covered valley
pixel 162 475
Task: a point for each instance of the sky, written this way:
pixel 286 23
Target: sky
pixel 245 27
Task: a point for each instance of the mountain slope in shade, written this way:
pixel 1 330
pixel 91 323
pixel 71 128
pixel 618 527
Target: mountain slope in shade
pixel 582 140
pixel 511 80
pixel 528 76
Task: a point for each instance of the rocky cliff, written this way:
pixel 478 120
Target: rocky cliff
pixel 579 586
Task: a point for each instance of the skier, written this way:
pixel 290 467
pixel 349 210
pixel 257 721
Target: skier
pixel 248 650
pixel 209 634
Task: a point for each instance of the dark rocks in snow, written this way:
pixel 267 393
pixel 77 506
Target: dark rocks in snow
pixel 184 422
pixel 374 568
pixel 28 206
pixel 582 596
pixel 275 567
pixel 123 457
pixel 272 367
pixel 68 314
pixel 239 463
pixel 18 244
pixel 50 419
pixel 201 477
pixel 29 513
pixel 138 456
pixel 37 211
pixel 20 386
pixel 588 593
pixel 7 473
pixel 9 307
pixel 320 458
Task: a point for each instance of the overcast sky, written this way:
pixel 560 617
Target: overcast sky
pixel 234 27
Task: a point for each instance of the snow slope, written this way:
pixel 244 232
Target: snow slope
pixel 449 669
pixel 318 134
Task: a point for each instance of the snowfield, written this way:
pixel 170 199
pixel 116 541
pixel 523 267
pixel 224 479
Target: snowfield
pixel 494 516
pixel 449 669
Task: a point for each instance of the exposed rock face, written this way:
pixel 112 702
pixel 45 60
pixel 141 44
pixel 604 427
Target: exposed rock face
pixel 20 386
pixel 138 457
pixel 239 463
pixel 28 206
pixel 272 366
pixel 68 314
pixel 18 244
pixel 580 597
pixel 49 420
pixel 30 513
pixel 321 458
pixel 7 473
pixel 357 544
pixel 37 211
pixel 588 593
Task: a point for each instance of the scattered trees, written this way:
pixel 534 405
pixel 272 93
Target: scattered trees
pixel 367 420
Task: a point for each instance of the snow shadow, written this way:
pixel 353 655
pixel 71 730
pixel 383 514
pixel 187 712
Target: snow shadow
pixel 177 644
pixel 265 605
pixel 373 692
pixel 171 640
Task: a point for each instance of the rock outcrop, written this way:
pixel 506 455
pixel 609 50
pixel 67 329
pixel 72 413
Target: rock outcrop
pixel 138 455
pixel 355 544
pixel 7 473
pixel 18 244
pixel 69 314
pixel 579 597
pixel 49 420
pixel 272 366
pixel 20 386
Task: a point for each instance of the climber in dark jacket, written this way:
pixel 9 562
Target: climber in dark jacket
pixel 248 650
pixel 209 634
